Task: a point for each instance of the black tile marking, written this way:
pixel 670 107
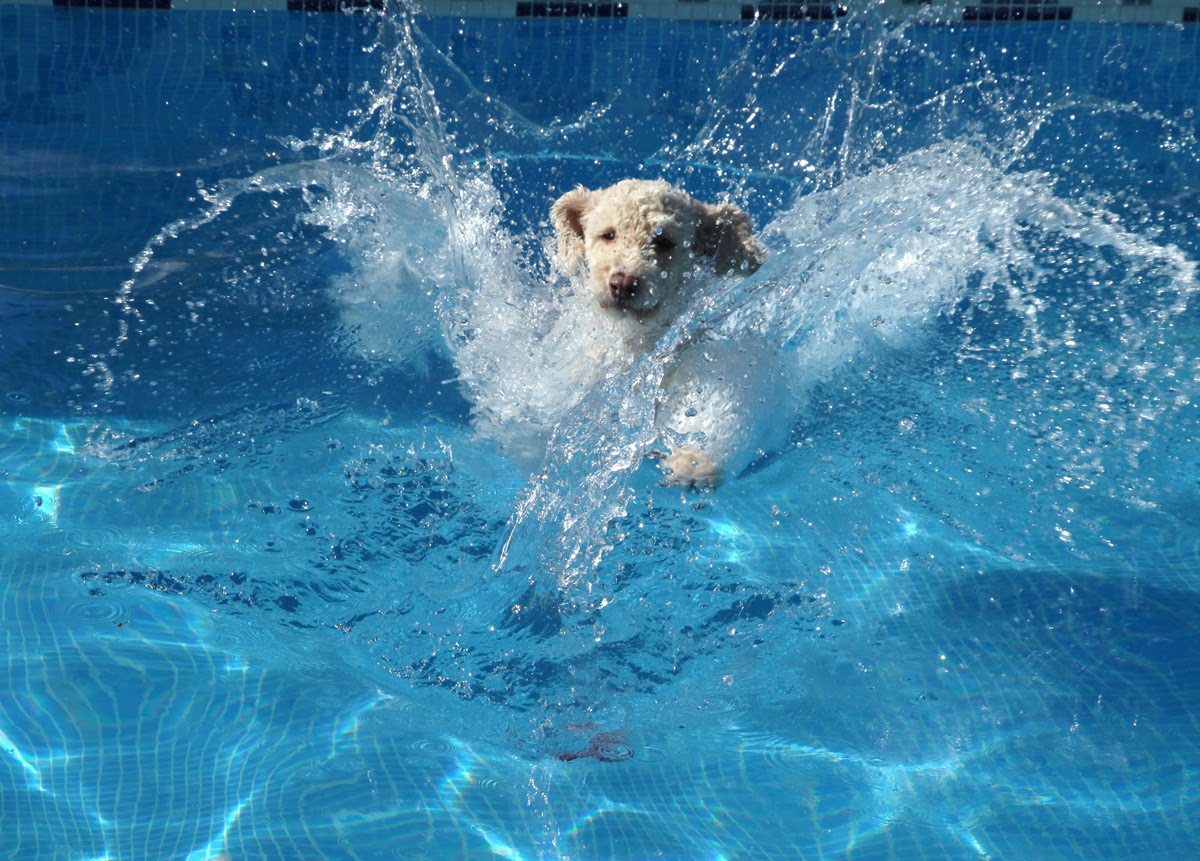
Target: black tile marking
pixel 113 4
pixel 792 12
pixel 572 10
pixel 334 5
pixel 1015 12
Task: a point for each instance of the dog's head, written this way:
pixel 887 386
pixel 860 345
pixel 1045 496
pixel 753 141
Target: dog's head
pixel 641 241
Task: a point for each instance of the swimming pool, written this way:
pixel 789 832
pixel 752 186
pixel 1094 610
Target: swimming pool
pixel 293 570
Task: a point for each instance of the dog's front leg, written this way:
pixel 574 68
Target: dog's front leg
pixel 691 467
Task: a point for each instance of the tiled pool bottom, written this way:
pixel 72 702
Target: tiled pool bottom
pixel 176 691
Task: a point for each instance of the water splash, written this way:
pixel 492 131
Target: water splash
pixel 859 273
pixel 915 230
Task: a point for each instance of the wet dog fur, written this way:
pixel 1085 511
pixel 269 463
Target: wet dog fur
pixel 641 245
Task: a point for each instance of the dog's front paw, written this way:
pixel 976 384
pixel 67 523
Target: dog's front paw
pixel 691 467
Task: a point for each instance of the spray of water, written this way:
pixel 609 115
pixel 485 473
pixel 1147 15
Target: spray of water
pixel 939 248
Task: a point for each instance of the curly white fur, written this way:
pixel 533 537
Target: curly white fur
pixel 642 244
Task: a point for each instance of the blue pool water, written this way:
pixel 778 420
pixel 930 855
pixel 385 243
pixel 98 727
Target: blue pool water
pixel 311 552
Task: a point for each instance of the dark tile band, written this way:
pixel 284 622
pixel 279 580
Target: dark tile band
pixel 792 12
pixel 572 10
pixel 1018 11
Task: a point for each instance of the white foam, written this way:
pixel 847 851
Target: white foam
pixel 859 268
pixel 875 259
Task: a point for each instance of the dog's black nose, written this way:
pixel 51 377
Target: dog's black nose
pixel 622 286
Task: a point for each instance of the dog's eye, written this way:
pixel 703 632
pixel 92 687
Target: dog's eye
pixel 662 243
pixel 608 235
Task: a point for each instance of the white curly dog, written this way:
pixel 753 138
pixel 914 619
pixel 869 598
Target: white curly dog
pixel 644 245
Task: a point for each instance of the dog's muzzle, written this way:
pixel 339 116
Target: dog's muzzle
pixel 623 287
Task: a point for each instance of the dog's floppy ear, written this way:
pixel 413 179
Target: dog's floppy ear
pixel 724 234
pixel 567 217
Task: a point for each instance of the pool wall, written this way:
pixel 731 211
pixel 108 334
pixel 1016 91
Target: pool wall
pixel 979 11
